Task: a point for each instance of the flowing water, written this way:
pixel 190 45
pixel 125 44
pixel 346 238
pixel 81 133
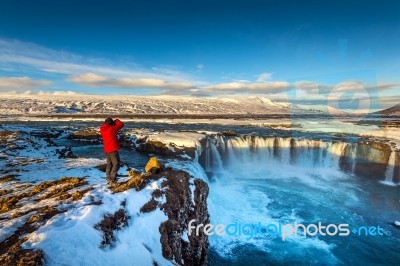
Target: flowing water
pixel 284 180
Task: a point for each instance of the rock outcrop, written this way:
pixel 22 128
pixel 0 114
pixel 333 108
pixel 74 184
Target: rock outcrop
pixel 181 206
pixel 87 134
pixel 92 135
pixel 368 159
pixel 111 223
pixel 157 147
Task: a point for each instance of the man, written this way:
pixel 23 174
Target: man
pixel 109 131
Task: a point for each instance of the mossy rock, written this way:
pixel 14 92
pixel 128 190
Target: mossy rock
pixel 35 218
pixel 153 166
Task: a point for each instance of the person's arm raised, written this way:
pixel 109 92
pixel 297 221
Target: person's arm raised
pixel 118 124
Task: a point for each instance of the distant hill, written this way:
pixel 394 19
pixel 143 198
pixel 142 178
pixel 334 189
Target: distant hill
pixel 392 111
pixel 148 105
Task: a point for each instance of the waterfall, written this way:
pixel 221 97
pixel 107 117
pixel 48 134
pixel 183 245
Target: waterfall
pixel 213 160
pixel 238 149
pixel 307 152
pixel 285 150
pixel 390 168
pixel 353 156
pixel 221 152
pixel 337 151
pixel 217 161
pixel 208 156
pixel 282 149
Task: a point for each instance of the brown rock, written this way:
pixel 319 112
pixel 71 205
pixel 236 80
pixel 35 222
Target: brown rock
pixel 111 223
pixel 180 211
pixel 149 206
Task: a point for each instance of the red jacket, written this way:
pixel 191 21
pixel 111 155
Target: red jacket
pixel 109 135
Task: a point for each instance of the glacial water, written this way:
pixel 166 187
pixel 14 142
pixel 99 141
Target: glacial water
pixel 277 179
pixel 267 181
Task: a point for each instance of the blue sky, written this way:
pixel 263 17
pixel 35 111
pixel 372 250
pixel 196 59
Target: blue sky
pixel 201 48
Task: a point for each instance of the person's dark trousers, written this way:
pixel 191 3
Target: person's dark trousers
pixel 112 165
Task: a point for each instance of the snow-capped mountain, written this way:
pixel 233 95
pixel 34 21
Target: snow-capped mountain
pixel 123 104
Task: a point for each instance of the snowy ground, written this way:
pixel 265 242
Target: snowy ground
pixel 70 236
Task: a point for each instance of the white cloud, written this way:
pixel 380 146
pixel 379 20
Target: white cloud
pixel 247 87
pixel 16 53
pixel 56 93
pixel 354 86
pixel 40 92
pixel 88 79
pixel 95 80
pixel 348 86
pixel 264 77
pixel 11 83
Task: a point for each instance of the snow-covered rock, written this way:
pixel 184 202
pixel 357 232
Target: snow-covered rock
pixel 80 220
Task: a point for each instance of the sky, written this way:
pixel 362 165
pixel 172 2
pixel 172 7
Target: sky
pixel 304 52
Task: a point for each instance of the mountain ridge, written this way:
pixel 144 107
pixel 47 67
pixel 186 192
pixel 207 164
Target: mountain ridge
pixel 392 111
pixel 151 105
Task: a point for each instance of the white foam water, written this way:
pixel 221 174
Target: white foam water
pixel 389 174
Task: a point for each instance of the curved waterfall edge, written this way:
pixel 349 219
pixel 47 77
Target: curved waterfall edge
pixel 363 158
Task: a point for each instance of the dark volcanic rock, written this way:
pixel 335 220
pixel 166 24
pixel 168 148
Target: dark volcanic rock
pixel 229 133
pixel 149 146
pixel 88 134
pixel 158 147
pixel 149 206
pixel 125 142
pixel 111 223
pixel 92 135
pixel 371 159
pixel 48 133
pixel 180 210
pixel 65 153
pixel 181 206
